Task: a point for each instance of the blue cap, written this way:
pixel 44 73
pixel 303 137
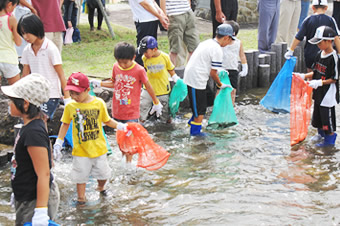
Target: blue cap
pixel 225 30
pixel 148 42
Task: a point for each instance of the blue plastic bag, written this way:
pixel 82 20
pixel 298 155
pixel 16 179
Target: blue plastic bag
pixel 50 223
pixel 277 98
pixel 223 113
pixel 178 93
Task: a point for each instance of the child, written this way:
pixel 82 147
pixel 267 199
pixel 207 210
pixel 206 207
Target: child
pixel 42 56
pixel 36 194
pixel 158 65
pixel 8 37
pixel 325 84
pixel 204 62
pixel 231 54
pixel 308 28
pixel 127 79
pixel 89 150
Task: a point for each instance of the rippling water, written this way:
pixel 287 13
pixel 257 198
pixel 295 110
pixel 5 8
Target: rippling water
pixel 245 175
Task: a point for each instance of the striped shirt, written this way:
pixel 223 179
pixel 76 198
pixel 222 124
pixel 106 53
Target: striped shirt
pixel 176 7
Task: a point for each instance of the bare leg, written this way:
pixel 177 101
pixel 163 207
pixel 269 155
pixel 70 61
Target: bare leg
pixel 81 192
pixel 233 95
pixel 199 119
pixel 101 184
pixel 128 157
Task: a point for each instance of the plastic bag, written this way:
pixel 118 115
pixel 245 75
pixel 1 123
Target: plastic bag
pixel 277 98
pixel 178 94
pixel 68 36
pixel 223 113
pixel 151 156
pixel 300 109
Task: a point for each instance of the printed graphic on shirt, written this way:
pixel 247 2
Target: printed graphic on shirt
pixel 124 85
pixel 86 123
pixel 155 68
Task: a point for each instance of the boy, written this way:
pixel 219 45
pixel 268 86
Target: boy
pixel 204 62
pixel 127 79
pixel 325 84
pixel 89 151
pixel 308 28
pixel 158 65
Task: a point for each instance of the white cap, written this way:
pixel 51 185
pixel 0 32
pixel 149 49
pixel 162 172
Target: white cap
pixel 320 2
pixel 322 33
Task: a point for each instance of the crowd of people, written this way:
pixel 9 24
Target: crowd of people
pixel 140 79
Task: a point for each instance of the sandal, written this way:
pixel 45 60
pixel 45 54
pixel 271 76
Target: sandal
pixel 81 202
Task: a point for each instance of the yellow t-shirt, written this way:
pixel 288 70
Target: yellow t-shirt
pixel 157 71
pixel 87 131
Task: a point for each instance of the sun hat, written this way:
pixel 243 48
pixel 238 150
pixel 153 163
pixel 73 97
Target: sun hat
pixel 33 87
pixel 320 2
pixel 77 82
pixel 322 33
pixel 225 30
pixel 148 42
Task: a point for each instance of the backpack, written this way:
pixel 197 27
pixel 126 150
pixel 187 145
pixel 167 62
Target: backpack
pixel 76 35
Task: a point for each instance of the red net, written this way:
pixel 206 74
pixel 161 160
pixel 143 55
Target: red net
pixel 300 110
pixel 151 156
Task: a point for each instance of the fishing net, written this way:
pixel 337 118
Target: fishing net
pixel 300 109
pixel 151 156
pixel 223 113
pixel 277 98
pixel 177 95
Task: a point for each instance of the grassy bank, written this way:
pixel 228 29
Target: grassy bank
pixel 94 54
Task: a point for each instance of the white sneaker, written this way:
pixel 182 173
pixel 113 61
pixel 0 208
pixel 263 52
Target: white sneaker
pixel 316 138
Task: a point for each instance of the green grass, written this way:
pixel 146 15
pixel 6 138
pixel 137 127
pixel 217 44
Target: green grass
pixel 93 56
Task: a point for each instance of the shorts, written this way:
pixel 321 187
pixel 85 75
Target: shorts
pixel 9 70
pixel 198 101
pixel 24 210
pixel 56 38
pixel 50 107
pixel 183 29
pixel 324 118
pixel 83 167
pixel 146 104
pixel 233 77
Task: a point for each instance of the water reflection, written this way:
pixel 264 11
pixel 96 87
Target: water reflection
pixel 245 175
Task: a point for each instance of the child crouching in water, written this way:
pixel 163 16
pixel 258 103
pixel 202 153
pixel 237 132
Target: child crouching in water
pixel 89 152
pixel 36 193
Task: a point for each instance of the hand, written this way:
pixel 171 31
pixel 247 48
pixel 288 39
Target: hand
pixel 301 75
pixel 122 126
pixel 157 108
pixel 220 17
pixel 175 78
pixel 67 100
pixel 289 54
pixel 57 149
pixel 315 83
pixel 225 86
pixel 69 24
pixel 40 217
pixel 95 83
pixel 244 71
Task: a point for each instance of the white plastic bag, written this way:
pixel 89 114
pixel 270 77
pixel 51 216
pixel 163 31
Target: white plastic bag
pixel 68 36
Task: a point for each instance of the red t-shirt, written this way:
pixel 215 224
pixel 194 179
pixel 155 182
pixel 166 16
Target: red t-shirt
pixel 50 14
pixel 127 90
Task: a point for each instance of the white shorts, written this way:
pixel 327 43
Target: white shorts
pixel 9 70
pixel 83 167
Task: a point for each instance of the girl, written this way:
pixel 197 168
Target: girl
pixel 36 195
pixel 42 56
pixel 8 37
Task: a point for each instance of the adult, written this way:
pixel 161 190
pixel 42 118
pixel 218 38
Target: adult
pixel 182 27
pixel 289 19
pixel 92 5
pixel 50 14
pixel 336 12
pixel 146 14
pixel 222 10
pixel 269 13
pixel 304 11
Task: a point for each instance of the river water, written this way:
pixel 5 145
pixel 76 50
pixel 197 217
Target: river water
pixel 245 175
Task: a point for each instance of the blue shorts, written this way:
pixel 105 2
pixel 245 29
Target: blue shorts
pixel 50 107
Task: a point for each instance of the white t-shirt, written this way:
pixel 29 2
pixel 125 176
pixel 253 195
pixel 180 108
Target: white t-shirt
pixel 177 7
pixel 231 55
pixel 208 55
pixel 43 63
pixel 139 13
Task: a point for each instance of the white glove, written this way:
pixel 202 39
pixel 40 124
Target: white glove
pixel 157 108
pixel 225 86
pixel 122 126
pixel 67 100
pixel 315 83
pixel 12 202
pixel 301 75
pixel 57 149
pixel 175 78
pixel 244 71
pixel 289 54
pixel 95 83
pixel 40 217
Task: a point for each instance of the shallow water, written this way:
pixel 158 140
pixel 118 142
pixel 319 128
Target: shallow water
pixel 245 175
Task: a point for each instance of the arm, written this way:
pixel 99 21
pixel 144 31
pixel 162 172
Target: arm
pixel 59 69
pixel 294 44
pixel 111 123
pixel 243 57
pixel 214 75
pixel 26 4
pixel 151 92
pixel 163 5
pixel 63 130
pixel 13 25
pixel 328 81
pixel 337 43
pixel 69 13
pixel 39 156
pixel 220 17
pixel 309 75
pixel 26 70
pixel 107 83
pixel 156 12
pixel 172 72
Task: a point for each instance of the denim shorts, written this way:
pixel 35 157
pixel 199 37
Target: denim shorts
pixel 50 107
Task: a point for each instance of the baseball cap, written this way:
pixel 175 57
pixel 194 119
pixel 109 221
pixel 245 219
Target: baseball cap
pixel 77 82
pixel 148 42
pixel 225 30
pixel 320 2
pixel 33 87
pixel 322 33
